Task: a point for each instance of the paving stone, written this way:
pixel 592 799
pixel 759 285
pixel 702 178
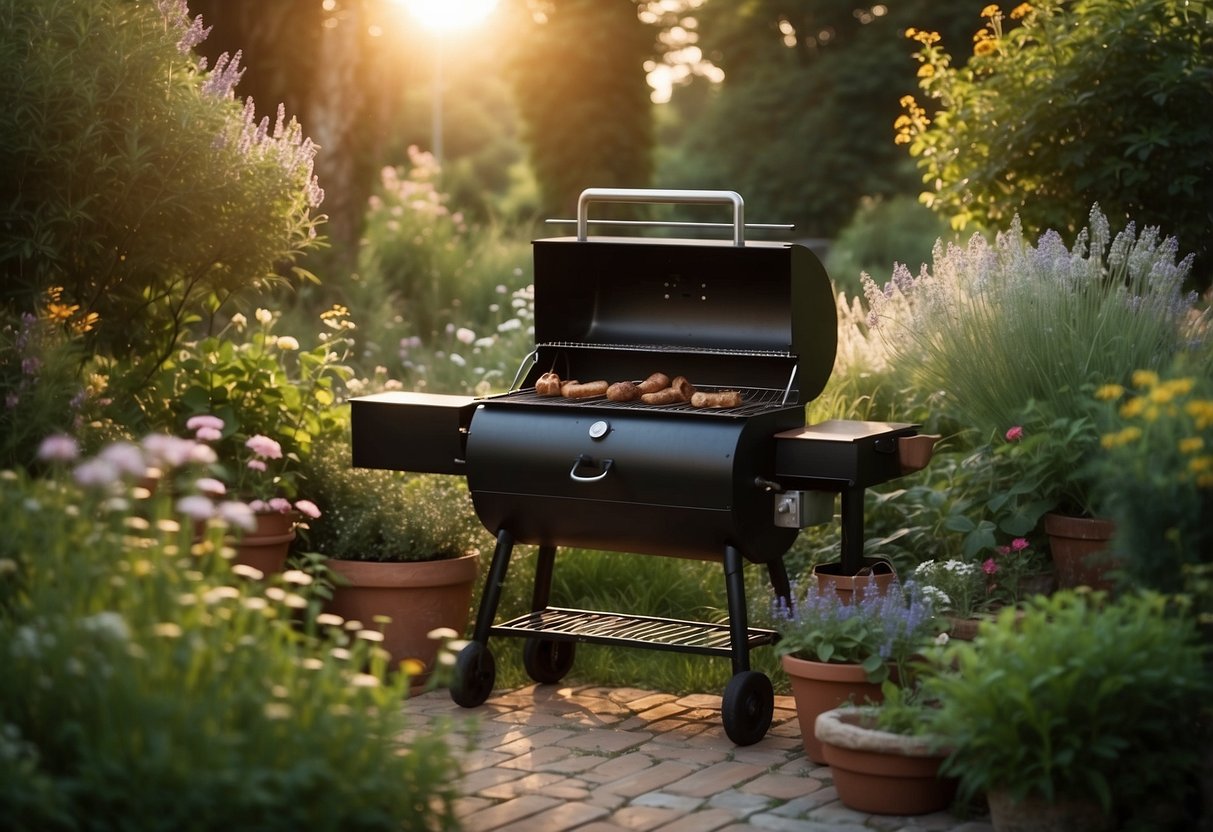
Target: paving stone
pixel 487 778
pixel 541 783
pixel 740 803
pixel 508 812
pixel 651 700
pixel 605 740
pixel 662 711
pixel 802 806
pixel 531 741
pixel 762 755
pixel 657 777
pixel 705 701
pixel 643 818
pixel 616 768
pixel 677 727
pixel 536 758
pixel 557 819
pixel 661 749
pixel 777 823
pixel 465 806
pixel 781 786
pixel 715 779
pixel 476 760
pixel 670 801
pixel 705 820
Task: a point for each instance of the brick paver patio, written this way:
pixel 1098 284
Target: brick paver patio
pixel 552 758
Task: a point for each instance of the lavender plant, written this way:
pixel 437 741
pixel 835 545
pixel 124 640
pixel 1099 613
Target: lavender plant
pixel 1016 334
pixel 876 631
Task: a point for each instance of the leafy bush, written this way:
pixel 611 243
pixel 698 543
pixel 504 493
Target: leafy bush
pixel 1052 701
pixel 379 515
pixel 147 684
pixel 1157 475
pixel 1083 102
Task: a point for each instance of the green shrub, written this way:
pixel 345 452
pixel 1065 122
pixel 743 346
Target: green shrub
pixel 132 179
pixel 1083 102
pixel 147 684
pixel 1077 697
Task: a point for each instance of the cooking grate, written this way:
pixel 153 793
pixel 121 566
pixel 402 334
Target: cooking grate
pixel 753 401
pixel 630 631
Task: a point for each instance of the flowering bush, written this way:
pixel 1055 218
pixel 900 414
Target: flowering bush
pixel 1158 474
pixel 259 399
pixel 143 676
pixel 965 588
pixel 1015 334
pixel 874 631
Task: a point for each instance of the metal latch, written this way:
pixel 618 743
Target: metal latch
pixel 800 509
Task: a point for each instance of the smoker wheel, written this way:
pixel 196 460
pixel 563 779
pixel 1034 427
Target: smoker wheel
pixel 475 672
pixel 747 707
pixel 547 660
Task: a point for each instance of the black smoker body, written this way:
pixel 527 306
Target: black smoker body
pixel 669 480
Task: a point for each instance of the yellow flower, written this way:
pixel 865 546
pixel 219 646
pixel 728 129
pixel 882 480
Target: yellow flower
pixel 1022 10
pixel 1161 394
pixel 901 122
pixel 1133 408
pixel 1144 378
pixel 86 323
pixel 1121 437
pixel 990 10
pixel 61 311
pixel 1109 392
pixel 1201 464
pixel 1191 444
pixel 1201 411
pixel 1180 386
pixel 985 47
pixel 926 71
pixel 911 32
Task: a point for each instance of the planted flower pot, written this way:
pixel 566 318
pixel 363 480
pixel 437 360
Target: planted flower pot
pixel 1079 549
pixel 418 597
pixel 876 576
pixel 266 547
pixel 881 772
pixel 818 687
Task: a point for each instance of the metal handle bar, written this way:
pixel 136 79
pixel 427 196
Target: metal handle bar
pixel 661 196
pixel 585 460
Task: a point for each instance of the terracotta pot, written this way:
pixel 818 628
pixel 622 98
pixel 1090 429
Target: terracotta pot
pixel 267 546
pixel 1079 549
pixel 877 575
pixel 417 596
pixel 914 452
pixel 879 772
pixel 1035 814
pixel 818 687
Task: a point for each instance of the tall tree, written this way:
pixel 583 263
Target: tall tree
pixel 802 124
pixel 579 78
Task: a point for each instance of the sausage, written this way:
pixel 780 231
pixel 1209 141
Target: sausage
pixel 577 390
pixel 667 396
pixel 725 398
pixel 655 382
pixel 548 384
pixel 623 391
pixel 685 389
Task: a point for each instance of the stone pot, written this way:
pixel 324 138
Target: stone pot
pixel 880 772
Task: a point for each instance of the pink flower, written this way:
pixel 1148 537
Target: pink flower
pixel 212 486
pixel 279 504
pixel 204 420
pixel 205 434
pixel 307 508
pixel 1014 434
pixel 1019 544
pixel 1003 550
pixel 237 514
pixel 58 448
pixel 989 567
pixel 263 446
pixel 256 465
pixel 196 507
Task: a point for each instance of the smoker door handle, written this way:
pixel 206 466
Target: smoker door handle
pixel 585 460
pixel 660 196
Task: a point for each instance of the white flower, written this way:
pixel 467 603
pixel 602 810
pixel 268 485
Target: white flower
pixel 167 629
pixel 264 316
pixel 246 571
pixel 465 335
pixel 107 623
pixel 369 635
pixel 297 576
pixel 220 593
pixel 286 342
pixel 196 507
pixel 211 486
pixel 95 473
pixel 237 514
pixel 364 680
pixel 327 619
pixel 458 360
pixel 442 633
pixel 239 321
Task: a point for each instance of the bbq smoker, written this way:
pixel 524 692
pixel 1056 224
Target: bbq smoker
pixel 732 484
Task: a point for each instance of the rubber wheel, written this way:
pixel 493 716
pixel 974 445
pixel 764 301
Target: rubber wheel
pixel 475 672
pixel 546 660
pixel 747 707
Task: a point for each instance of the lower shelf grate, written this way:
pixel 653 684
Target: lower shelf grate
pixel 629 631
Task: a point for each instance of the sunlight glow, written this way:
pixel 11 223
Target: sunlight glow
pixel 449 15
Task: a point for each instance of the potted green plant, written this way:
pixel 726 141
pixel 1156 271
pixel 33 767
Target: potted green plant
pixel 402 550
pixel 1045 707
pixel 1020 334
pixel 885 758
pixel 834 651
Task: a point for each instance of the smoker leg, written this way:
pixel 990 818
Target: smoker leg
pixel 492 587
pixel 852 530
pixel 748 703
pixel 778 571
pixel 543 578
pixel 739 625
